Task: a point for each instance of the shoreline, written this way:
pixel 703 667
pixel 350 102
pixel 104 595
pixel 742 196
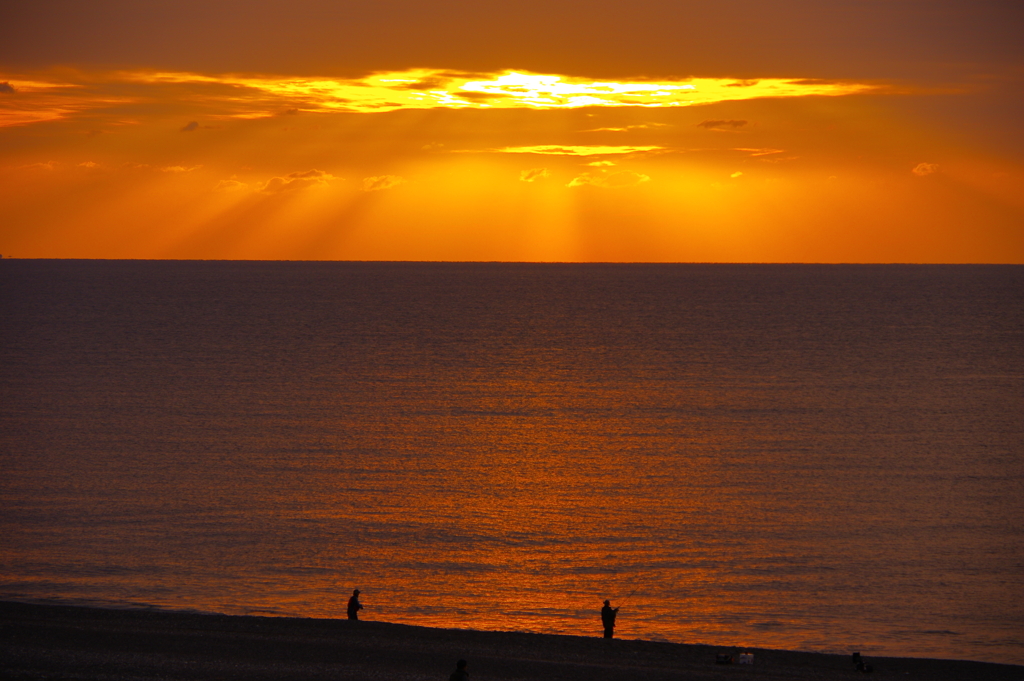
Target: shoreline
pixel 86 643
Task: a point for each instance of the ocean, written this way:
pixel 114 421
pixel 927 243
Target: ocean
pixel 811 457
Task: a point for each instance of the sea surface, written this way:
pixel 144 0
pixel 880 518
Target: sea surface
pixel 825 458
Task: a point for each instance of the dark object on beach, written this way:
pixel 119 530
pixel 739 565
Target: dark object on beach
pixel 608 614
pixel 723 658
pixel 856 659
pixel 460 673
pixel 354 606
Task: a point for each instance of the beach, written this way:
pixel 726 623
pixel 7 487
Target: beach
pixel 66 642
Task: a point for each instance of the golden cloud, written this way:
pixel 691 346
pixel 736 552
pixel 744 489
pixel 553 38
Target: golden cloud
pixel 534 174
pixel 623 178
pixel 381 182
pixel 231 185
pixel 238 96
pixel 627 128
pixel 760 152
pixel 295 181
pixel 570 150
pixel 49 165
pixel 36 101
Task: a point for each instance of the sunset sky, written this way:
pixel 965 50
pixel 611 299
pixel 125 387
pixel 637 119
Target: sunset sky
pixel 644 131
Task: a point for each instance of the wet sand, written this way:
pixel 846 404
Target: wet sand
pixel 62 642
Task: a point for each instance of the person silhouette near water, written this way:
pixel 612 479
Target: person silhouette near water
pixel 608 614
pixel 460 673
pixel 354 606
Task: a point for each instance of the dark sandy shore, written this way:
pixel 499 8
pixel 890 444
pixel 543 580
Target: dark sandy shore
pixel 58 642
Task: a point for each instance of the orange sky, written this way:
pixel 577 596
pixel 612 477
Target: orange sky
pixel 856 131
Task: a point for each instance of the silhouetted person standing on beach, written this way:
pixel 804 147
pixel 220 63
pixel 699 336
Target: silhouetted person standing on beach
pixel 354 606
pixel 608 614
pixel 460 673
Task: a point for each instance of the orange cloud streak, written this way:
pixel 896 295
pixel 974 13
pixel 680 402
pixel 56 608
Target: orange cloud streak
pixel 236 96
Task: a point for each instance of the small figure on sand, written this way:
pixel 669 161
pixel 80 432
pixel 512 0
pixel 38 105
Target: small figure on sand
pixel 354 606
pixel 608 614
pixel 460 673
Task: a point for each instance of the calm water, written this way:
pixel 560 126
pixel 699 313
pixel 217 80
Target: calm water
pixel 812 457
